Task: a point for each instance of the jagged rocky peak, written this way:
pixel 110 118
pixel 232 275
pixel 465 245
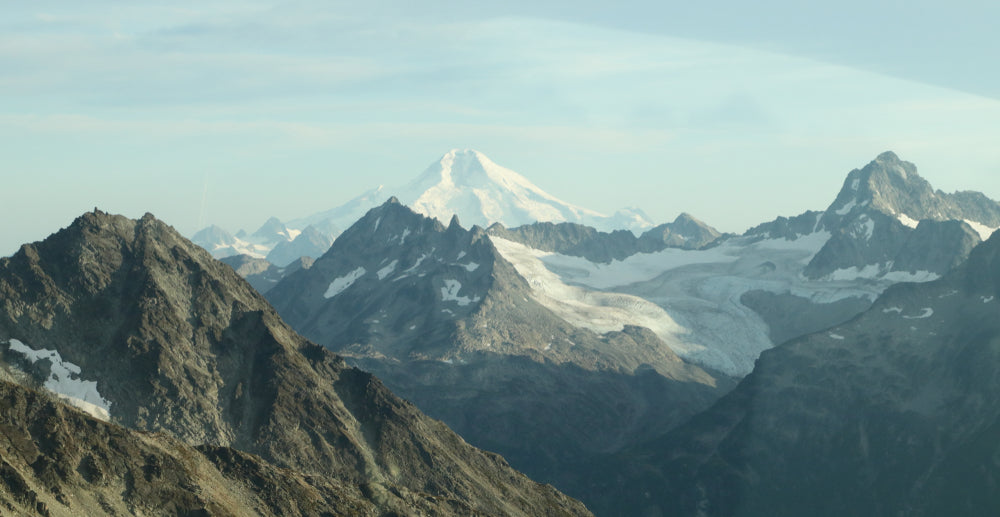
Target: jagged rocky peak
pixel 404 275
pixel 176 342
pixel 390 220
pixel 271 229
pixel 894 187
pixel 684 232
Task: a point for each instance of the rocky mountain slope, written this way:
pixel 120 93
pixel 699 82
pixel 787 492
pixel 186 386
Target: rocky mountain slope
pixel 56 461
pixel 887 218
pixel 892 413
pixel 449 323
pixel 133 323
pixel 577 240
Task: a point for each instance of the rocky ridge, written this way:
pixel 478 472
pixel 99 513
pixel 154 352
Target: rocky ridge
pixel 577 240
pixel 449 323
pixel 177 343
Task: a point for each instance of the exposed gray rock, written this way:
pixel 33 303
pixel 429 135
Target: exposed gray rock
pixel 789 316
pixel 867 222
pixel 447 322
pixel 685 232
pixel 578 240
pixel 180 344
pixel 892 413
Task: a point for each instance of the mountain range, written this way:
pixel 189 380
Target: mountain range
pixel 465 183
pixel 523 338
pixel 891 413
pixel 835 362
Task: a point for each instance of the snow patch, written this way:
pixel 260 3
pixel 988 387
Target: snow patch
pixel 387 270
pixel 64 380
pixel 926 312
pixel 987 299
pixel 898 310
pixel 420 260
pixel 460 255
pixel 855 184
pixel 636 268
pixel 907 220
pixel 339 284
pixel 881 272
pixel 471 266
pixel 377 222
pixel 980 228
pixel 836 336
pixel 449 293
pixel 906 276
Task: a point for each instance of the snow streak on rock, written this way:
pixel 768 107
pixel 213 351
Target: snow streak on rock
pixel 64 380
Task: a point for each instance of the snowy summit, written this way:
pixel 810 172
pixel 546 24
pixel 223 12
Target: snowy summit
pixel 468 184
pixel 463 182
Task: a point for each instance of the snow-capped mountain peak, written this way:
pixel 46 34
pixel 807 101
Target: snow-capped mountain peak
pixel 462 182
pixel 469 184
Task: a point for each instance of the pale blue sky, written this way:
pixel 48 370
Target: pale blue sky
pixel 231 112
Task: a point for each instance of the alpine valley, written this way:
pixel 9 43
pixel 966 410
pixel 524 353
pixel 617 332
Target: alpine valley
pixel 575 352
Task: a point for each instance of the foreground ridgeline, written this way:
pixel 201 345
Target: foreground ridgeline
pixel 247 417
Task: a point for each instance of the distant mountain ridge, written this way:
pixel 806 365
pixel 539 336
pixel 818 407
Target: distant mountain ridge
pixel 564 347
pixel 823 266
pixel 578 240
pixel 465 183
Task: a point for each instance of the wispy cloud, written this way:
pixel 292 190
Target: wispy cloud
pixel 235 91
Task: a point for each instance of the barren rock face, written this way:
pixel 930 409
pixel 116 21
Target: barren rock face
pixel 180 344
pixel 448 323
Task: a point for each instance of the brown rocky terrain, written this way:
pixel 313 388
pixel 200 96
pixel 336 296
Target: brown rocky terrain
pixel 180 345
